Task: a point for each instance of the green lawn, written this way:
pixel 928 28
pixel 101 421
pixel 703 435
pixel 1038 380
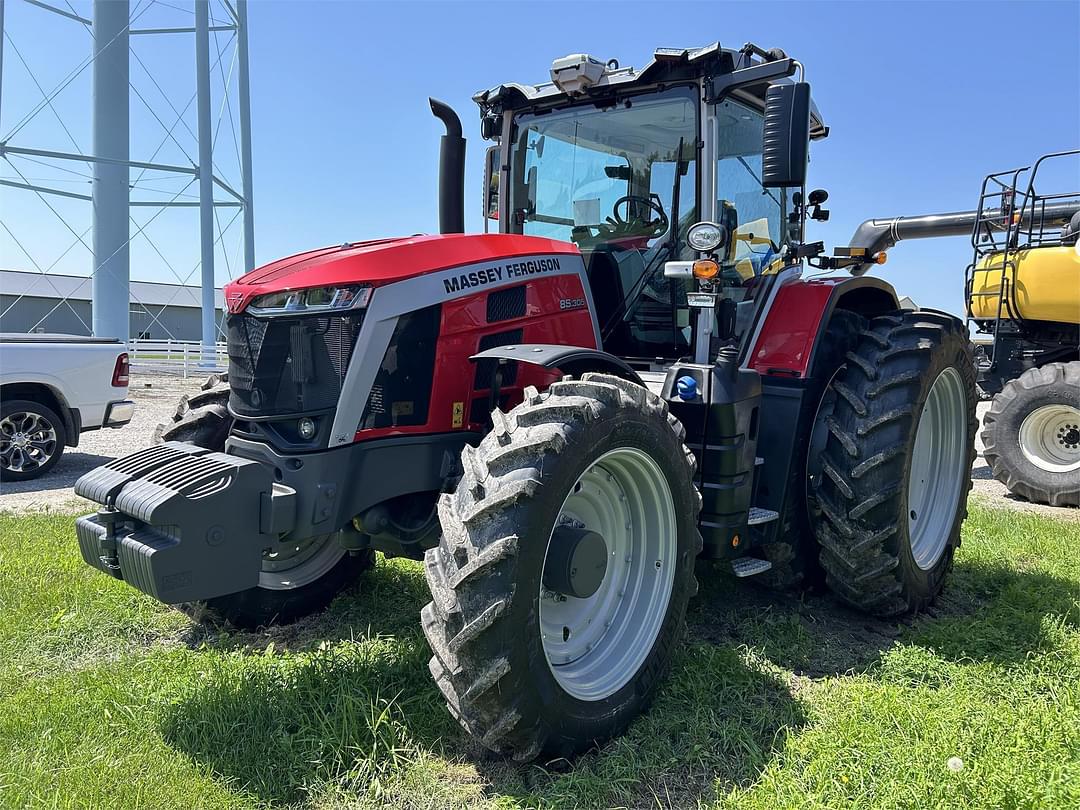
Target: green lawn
pixel 109 700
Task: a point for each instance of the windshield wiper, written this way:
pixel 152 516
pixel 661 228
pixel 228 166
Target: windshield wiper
pixel 758 179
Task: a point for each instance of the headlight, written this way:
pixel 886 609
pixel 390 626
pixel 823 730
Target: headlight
pixel 311 301
pixel 706 236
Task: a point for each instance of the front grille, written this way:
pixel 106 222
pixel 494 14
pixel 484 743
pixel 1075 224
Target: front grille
pixel 288 365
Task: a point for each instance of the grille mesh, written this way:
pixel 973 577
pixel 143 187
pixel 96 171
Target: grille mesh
pixel 502 305
pixel 288 365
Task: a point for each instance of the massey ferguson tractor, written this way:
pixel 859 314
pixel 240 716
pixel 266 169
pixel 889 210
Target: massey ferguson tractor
pixel 561 417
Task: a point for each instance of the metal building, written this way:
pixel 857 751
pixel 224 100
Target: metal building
pixel 36 302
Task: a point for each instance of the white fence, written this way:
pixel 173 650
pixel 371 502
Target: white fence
pixel 181 357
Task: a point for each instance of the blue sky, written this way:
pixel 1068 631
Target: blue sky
pixel 922 100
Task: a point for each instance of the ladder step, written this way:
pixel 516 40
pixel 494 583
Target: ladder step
pixel 758 516
pixel 749 566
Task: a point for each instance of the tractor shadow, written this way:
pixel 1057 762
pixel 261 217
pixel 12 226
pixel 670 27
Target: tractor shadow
pixel 346 698
pixel 987 612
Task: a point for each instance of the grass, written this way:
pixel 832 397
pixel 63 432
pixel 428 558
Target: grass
pixel 109 700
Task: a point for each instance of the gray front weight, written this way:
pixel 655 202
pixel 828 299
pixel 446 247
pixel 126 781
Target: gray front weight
pixel 181 523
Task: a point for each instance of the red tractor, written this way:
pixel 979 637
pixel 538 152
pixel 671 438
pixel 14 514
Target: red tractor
pixel 560 417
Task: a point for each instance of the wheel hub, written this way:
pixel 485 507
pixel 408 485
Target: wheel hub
pixel 1049 438
pixel 576 561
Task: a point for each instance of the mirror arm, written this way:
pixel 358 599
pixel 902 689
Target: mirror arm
pixel 717 88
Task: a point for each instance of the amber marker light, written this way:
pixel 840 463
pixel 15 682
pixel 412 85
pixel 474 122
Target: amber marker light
pixel 706 268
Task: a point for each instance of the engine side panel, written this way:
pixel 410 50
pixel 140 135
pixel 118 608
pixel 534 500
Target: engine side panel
pixel 534 299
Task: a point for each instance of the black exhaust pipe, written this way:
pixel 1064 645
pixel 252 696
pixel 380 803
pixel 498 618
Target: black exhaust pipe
pixel 451 170
pixel 877 235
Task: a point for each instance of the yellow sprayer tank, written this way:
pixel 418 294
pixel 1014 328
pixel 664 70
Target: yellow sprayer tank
pixel 1045 282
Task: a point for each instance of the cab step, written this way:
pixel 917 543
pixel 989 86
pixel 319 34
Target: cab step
pixel 749 566
pixel 758 516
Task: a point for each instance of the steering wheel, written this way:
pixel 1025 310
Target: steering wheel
pixel 635 224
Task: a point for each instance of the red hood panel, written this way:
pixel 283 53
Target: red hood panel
pixel 383 261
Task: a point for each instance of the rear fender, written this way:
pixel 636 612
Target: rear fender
pixel 800 314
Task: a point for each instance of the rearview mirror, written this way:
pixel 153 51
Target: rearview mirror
pixel 786 136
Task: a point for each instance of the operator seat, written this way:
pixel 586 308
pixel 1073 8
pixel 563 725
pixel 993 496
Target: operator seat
pixel 604 282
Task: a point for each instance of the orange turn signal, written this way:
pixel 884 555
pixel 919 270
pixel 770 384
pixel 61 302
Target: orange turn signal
pixel 881 258
pixel 706 268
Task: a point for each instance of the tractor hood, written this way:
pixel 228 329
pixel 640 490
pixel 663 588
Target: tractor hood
pixel 382 261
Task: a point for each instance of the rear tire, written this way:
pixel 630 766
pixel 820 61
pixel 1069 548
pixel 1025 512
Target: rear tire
pixel 794 553
pixel 897 470
pixel 1031 435
pixel 204 420
pixel 32 439
pixel 488 610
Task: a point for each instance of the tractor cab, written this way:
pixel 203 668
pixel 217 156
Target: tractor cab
pixel 622 162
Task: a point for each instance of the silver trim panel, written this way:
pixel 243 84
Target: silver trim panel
pixel 391 301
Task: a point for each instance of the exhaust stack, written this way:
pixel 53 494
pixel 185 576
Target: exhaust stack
pixel 877 235
pixel 451 170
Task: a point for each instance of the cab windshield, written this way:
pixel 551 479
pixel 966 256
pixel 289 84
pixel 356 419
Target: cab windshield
pixel 613 180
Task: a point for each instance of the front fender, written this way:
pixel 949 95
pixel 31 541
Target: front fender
pixel 575 360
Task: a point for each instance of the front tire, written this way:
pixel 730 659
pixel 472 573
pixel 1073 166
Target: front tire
pixel 599 454
pixel 296 580
pixel 1031 435
pixel 896 469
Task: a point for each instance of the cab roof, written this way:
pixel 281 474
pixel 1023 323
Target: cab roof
pixel 667 65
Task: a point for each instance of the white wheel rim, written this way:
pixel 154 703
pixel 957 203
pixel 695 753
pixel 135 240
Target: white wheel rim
pixel 595 645
pixel 292 565
pixel 938 469
pixel 27 441
pixel 1050 438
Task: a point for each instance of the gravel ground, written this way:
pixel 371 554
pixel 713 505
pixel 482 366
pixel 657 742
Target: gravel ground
pixel 155 398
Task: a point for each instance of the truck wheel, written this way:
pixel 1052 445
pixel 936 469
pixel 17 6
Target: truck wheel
pixel 32 439
pixel 560 584
pixel 794 553
pixel 1031 435
pixel 896 468
pixel 296 579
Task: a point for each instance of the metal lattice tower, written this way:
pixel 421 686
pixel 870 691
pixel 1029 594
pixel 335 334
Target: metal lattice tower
pixel 219 30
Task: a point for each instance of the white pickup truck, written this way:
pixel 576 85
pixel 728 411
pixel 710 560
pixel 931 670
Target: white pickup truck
pixel 52 388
